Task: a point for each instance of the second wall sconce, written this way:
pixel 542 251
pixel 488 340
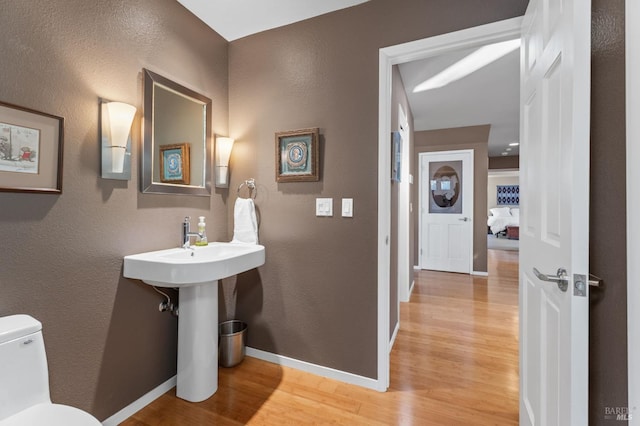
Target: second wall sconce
pixel 224 146
pixel 116 119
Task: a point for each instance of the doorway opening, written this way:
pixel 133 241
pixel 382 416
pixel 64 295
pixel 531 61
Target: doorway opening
pixel 503 227
pixel 420 49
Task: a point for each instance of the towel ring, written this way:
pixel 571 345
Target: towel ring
pixel 251 187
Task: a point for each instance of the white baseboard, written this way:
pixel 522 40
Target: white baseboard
pixel 413 283
pixel 417 268
pixel 480 273
pixel 140 403
pixel 318 370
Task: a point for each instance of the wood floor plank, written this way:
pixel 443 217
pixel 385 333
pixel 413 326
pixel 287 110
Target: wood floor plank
pixel 455 362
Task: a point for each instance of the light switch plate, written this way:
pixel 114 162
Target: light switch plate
pixel 324 206
pixel 347 207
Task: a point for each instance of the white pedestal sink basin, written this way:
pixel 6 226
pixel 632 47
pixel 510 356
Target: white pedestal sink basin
pixel 195 272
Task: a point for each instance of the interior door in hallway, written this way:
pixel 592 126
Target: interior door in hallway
pixel 446 211
pixel 554 229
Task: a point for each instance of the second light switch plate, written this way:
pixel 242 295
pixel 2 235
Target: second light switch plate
pixel 347 207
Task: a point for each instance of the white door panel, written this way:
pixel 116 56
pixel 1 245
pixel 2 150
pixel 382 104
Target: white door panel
pixel 446 234
pixel 555 83
pixel 551 153
pixel 434 236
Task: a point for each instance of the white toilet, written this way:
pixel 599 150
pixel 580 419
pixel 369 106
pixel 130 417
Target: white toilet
pixel 24 379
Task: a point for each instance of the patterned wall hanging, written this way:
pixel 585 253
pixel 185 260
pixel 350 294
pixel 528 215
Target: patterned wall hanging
pixel 508 195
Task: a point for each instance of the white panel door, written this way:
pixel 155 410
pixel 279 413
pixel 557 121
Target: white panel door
pixel 554 229
pixel 446 211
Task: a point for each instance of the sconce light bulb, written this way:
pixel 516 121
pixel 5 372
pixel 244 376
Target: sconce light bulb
pixel 224 146
pixel 222 174
pixel 120 119
pixel 223 150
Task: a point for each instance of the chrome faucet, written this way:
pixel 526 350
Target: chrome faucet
pixel 187 234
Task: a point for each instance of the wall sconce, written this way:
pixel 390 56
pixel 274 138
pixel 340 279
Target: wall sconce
pixel 116 119
pixel 223 152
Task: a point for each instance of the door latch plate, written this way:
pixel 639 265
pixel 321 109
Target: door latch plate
pixel 579 285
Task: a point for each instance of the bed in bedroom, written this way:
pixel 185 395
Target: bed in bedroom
pixel 501 218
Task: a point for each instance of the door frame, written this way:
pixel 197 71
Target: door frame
pixel 632 54
pixel 389 56
pixel 470 198
pixel 405 283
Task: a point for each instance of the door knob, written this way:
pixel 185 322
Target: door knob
pixel 464 219
pixel 560 278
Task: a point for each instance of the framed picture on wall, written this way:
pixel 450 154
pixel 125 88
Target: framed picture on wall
pixel 508 195
pixel 175 163
pixel 30 150
pixel 298 155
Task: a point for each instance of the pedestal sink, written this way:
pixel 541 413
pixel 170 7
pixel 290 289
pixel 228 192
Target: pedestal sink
pixel 195 272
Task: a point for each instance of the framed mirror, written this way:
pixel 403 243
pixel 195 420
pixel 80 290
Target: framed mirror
pixel 177 143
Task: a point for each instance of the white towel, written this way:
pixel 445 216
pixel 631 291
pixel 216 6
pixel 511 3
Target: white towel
pixel 245 224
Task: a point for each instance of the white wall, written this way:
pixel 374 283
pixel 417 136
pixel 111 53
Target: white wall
pixel 500 178
pixel 633 204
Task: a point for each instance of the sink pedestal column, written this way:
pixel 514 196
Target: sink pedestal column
pixel 198 342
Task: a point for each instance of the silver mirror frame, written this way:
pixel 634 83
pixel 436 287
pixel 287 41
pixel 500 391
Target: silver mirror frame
pixel 152 79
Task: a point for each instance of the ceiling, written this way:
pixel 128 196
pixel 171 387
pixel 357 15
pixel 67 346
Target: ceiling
pixel 488 96
pixel 234 19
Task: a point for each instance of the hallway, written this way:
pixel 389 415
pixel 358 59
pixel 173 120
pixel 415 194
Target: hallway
pixel 455 362
pixel 457 350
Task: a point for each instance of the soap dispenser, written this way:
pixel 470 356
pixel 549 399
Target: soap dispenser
pixel 202 240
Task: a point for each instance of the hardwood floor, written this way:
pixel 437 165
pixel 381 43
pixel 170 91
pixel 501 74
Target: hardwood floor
pixel 455 362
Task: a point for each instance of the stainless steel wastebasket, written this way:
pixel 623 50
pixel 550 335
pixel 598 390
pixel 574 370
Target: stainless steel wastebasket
pixel 233 335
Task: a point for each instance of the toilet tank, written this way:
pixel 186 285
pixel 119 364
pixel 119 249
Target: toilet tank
pixel 24 376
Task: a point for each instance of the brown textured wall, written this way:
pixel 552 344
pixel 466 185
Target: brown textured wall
pixel 506 162
pixel 473 137
pixel 61 257
pixel 608 320
pixel 324 72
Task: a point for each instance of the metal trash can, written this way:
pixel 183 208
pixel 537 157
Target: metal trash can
pixel 233 336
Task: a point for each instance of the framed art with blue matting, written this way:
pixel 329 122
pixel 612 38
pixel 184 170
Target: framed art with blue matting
pixel 298 155
pixel 175 163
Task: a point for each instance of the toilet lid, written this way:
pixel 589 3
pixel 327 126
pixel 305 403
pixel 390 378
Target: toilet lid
pixel 51 415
